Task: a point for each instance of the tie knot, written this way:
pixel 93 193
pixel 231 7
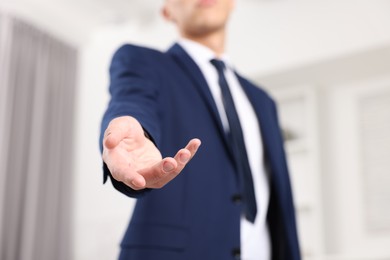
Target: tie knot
pixel 218 64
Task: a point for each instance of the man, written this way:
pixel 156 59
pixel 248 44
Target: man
pixel 233 200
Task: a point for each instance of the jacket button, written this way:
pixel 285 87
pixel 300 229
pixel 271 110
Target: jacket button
pixel 237 198
pixel 236 252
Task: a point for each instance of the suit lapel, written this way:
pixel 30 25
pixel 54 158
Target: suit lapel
pixel 264 116
pixel 193 71
pixel 280 211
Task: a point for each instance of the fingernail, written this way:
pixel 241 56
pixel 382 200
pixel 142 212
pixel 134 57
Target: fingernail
pixel 168 167
pixel 184 158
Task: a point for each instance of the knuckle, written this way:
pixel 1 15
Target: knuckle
pixel 117 175
pixel 159 185
pixel 160 175
pixel 133 187
pixel 127 180
pixel 178 169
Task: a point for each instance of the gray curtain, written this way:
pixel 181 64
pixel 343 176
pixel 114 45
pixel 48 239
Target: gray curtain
pixel 37 80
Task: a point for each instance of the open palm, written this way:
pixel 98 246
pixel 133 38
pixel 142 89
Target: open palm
pixel 134 160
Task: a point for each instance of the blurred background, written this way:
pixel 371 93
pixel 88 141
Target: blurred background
pixel 327 63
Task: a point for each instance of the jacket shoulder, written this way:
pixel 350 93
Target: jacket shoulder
pixel 129 52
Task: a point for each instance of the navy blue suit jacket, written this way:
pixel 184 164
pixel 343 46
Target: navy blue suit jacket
pixel 197 215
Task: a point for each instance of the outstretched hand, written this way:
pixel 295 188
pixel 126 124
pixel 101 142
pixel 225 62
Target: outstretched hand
pixel 134 160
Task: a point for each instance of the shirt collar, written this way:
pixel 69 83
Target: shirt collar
pixel 200 53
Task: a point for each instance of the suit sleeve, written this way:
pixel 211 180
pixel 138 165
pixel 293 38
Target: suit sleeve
pixel 134 89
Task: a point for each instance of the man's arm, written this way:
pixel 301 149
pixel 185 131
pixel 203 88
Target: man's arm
pixel 132 160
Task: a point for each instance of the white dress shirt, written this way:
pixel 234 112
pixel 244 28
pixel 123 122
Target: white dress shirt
pixel 255 237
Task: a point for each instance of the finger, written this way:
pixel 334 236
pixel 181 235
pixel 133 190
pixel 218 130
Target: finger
pixel 163 172
pixel 159 172
pixel 129 177
pixel 135 181
pixel 193 146
pixel 116 131
pixel 122 170
pixel 119 129
pixel 182 157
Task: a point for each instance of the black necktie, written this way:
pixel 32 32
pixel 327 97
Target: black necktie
pixel 237 144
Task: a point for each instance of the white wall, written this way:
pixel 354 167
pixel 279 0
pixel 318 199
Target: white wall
pixel 284 34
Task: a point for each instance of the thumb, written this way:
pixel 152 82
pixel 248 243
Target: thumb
pixel 120 128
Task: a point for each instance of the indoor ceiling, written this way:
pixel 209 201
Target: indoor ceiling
pixel 117 11
pixel 99 11
pixel 79 17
